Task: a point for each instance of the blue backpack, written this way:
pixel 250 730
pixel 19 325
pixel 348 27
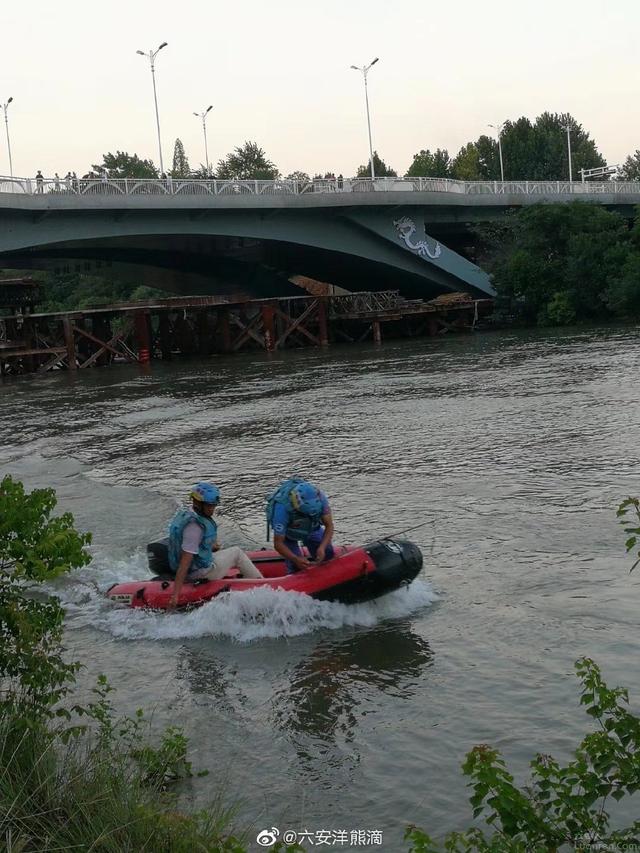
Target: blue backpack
pixel 280 496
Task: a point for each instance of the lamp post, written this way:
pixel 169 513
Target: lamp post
pixel 365 70
pixel 152 56
pixel 203 116
pixel 5 107
pixel 568 128
pixel 499 127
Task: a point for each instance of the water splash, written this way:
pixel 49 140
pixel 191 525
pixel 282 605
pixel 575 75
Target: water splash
pixel 240 616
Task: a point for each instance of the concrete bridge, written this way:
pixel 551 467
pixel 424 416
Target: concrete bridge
pixel 214 236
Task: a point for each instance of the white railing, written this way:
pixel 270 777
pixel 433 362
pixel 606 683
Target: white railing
pixel 101 186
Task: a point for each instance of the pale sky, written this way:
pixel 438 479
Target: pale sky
pixel 277 72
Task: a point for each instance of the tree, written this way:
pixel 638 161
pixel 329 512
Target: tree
pixel 300 177
pixel 630 169
pixel 180 168
pixel 247 161
pixel 561 263
pixel 34 546
pixel 380 167
pixel 428 165
pixel 531 151
pixel 477 161
pixel 466 165
pixel 123 165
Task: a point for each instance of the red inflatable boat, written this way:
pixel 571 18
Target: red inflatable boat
pixel 353 575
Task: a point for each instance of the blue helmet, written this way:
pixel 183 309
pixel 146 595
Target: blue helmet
pixel 206 493
pixel 307 499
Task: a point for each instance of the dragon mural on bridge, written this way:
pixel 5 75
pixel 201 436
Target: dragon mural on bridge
pixel 406 228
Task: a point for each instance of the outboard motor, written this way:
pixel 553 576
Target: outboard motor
pixel 158 557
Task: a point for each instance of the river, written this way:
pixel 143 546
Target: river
pixel 507 451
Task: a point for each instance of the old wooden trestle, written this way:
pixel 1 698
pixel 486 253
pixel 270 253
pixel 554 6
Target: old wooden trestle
pixel 36 343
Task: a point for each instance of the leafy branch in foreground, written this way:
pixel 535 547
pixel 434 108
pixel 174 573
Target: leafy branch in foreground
pixel 564 805
pixel 34 546
pixel 633 505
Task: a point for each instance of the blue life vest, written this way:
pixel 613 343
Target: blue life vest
pixel 299 526
pixel 201 560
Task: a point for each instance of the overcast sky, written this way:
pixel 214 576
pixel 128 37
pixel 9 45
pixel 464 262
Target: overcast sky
pixel 277 72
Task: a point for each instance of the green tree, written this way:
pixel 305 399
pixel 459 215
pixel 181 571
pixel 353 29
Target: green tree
pixel 466 164
pixel 71 291
pixel 477 161
pixel 180 168
pixel 123 165
pixel 380 167
pixel 560 263
pixel 531 151
pixel 34 546
pixel 428 165
pixel 630 169
pixel 539 151
pixel 247 161
pixel 300 177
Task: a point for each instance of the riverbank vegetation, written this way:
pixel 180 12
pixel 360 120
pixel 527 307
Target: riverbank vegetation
pixel 76 777
pixel 563 263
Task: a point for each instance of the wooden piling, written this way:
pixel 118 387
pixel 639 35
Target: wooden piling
pixel 322 321
pixel 143 339
pixel 70 343
pixel 164 331
pixel 269 328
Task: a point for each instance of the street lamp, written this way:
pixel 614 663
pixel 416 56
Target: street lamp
pixel 6 122
pixel 365 70
pixel 203 116
pixel 499 127
pixel 152 56
pixel 568 128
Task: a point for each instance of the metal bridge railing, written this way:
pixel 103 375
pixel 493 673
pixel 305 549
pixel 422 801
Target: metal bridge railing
pixel 104 186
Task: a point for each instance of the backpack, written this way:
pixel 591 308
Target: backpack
pixel 280 496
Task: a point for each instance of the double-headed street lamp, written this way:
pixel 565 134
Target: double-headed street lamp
pixel 499 127
pixel 203 116
pixel 365 70
pixel 152 56
pixel 5 107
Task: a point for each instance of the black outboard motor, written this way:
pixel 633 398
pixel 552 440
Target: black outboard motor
pixel 158 557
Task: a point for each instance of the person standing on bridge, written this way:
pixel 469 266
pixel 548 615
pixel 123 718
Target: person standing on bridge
pixel 193 539
pixel 299 512
pixel 39 182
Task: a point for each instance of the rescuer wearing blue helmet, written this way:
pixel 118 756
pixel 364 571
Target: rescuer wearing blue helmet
pixel 298 512
pixel 193 538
